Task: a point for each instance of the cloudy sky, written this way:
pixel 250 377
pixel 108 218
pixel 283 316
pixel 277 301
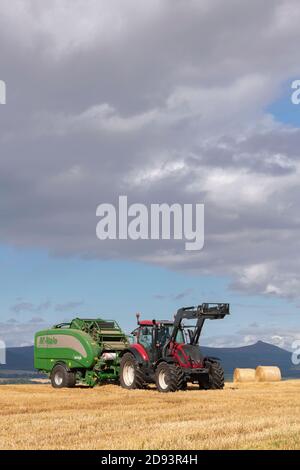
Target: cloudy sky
pixel 175 101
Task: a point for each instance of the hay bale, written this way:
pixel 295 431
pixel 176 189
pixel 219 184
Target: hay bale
pixel 244 375
pixel 267 374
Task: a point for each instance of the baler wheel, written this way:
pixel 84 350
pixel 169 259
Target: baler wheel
pixel 71 381
pixel 61 377
pixel 131 376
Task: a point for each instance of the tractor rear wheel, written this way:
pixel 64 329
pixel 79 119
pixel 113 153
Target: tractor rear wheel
pixel 61 377
pixel 131 376
pixel 216 376
pixel 169 378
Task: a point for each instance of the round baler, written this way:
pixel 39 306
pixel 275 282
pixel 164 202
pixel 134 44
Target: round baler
pixel 84 350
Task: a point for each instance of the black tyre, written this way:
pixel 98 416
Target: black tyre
pixel 71 380
pixel 204 383
pixel 216 376
pixel 61 377
pixel 169 378
pixel 131 376
pixel 181 381
pixel 184 386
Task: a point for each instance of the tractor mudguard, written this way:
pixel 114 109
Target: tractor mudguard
pixel 211 359
pixel 168 359
pixel 138 351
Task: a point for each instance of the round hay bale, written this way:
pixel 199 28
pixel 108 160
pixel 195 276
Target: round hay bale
pixel 267 374
pixel 244 375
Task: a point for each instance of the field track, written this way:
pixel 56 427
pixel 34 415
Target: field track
pixel 244 416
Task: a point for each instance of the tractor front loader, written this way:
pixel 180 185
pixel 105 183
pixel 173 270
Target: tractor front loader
pixel 167 352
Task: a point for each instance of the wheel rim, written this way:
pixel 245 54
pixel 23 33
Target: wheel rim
pixel 58 378
pixel 128 374
pixel 162 380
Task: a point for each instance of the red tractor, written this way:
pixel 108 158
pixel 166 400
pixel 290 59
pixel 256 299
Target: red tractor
pixel 167 352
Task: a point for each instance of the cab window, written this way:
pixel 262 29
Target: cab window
pixel 145 337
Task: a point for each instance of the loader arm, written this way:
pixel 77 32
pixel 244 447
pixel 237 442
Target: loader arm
pixel 205 311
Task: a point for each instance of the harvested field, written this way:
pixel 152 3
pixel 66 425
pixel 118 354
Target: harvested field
pixel 243 416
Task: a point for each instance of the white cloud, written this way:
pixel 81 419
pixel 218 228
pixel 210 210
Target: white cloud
pixel 281 337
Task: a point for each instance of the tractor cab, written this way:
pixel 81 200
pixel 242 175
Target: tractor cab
pixel 153 335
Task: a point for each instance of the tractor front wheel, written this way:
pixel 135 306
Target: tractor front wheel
pixel 169 378
pixel 216 376
pixel 131 376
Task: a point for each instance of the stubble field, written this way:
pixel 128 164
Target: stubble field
pixel 245 416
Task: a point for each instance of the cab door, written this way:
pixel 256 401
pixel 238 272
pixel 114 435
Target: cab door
pixel 145 338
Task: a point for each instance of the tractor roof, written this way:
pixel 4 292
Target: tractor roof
pixel 158 322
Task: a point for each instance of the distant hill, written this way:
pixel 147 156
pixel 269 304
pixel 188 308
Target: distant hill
pixel 254 355
pixel 18 359
pixel 251 356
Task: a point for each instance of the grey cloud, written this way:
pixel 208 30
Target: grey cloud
pixel 254 325
pixel 164 103
pixel 183 294
pixel 177 296
pixel 30 307
pixel 159 296
pixel 37 320
pixel 23 306
pixel 68 306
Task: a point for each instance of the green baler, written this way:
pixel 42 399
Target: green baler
pixel 85 351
